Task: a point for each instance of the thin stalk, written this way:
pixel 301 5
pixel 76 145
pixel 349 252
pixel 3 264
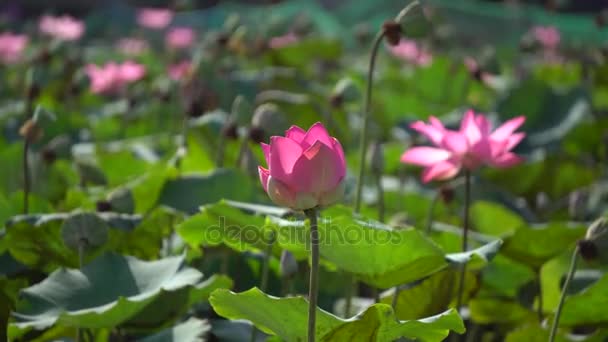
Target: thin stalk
pixel 465 235
pixel 560 306
pixel 264 277
pixel 314 273
pixel 365 121
pixel 26 176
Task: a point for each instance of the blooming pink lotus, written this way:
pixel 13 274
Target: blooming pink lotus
pixel 154 18
pixel 473 145
pixel 547 36
pixel 284 40
pixel 409 51
pixel 180 37
pixel 180 70
pixel 12 47
pixel 63 28
pixel 113 77
pixel 132 46
pixel 305 169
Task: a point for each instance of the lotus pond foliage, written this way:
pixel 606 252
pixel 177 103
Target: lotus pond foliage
pixel 281 172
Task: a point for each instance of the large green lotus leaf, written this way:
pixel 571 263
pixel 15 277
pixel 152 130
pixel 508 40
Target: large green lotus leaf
pixel 120 167
pixel 536 245
pixel 91 298
pixel 532 333
pixel 375 253
pixel 223 224
pixel 495 310
pixel 505 276
pixel 494 219
pixel 287 317
pixel 188 193
pixel 431 296
pixel 587 307
pixel 192 330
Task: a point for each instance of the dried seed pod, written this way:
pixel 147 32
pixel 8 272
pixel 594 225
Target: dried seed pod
pixel 392 32
pixel 595 244
pixel 31 131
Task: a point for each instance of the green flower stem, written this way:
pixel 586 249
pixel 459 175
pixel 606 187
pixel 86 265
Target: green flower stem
pixel 313 286
pixel 560 306
pixel 365 121
pixel 264 277
pixel 26 175
pixel 465 235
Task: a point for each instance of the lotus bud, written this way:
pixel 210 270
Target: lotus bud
pixel 306 169
pixel 288 266
pixel 595 244
pixel 344 91
pixel 267 121
pixel 30 131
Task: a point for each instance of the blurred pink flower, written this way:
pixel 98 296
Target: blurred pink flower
pixel 473 145
pixel 113 77
pixel 547 36
pixel 64 27
pixel 305 169
pixel 284 40
pixel 12 47
pixel 154 18
pixel 409 51
pixel 180 70
pixel 132 46
pixel 180 37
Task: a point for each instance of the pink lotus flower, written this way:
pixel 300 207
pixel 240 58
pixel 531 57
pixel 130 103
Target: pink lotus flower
pixel 547 36
pixel 154 18
pixel 63 28
pixel 409 51
pixel 12 47
pixel 473 145
pixel 180 70
pixel 284 40
pixel 132 46
pixel 305 169
pixel 180 37
pixel 113 77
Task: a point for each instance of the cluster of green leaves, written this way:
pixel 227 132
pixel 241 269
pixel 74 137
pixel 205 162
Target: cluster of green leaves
pixel 181 226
